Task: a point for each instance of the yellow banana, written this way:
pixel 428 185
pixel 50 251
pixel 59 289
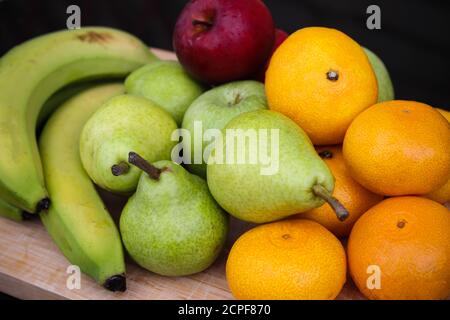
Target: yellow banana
pixel 77 219
pixel 29 74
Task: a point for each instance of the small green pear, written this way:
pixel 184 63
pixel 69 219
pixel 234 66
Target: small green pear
pixel 385 87
pixel 213 110
pixel 167 84
pixel 123 124
pixel 266 169
pixel 172 226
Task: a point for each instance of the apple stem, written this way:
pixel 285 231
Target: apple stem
pixel 339 209
pixel 152 171
pixel 120 168
pixel 202 25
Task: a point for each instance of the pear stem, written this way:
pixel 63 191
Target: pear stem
pixel 120 168
pixel 152 171
pixel 339 209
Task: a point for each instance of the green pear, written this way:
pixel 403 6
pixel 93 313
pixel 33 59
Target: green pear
pixel 385 87
pixel 172 226
pixel 266 168
pixel 167 84
pixel 213 110
pixel 124 123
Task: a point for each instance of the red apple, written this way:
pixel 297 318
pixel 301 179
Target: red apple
pixel 280 36
pixel 219 41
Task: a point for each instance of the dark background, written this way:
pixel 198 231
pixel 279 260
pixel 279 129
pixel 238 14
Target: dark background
pixel 413 40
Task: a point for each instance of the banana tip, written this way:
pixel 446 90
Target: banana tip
pixel 116 283
pixel 28 216
pixel 42 205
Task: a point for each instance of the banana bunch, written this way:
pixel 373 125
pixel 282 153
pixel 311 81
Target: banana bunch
pixel 29 74
pixel 36 77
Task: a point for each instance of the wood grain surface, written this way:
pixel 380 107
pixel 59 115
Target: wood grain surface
pixel 32 267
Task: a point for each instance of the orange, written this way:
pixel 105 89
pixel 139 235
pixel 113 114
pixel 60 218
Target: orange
pixel 322 79
pixel 355 198
pixel 441 195
pixel 290 259
pixel 399 148
pixel 404 243
pixel 445 113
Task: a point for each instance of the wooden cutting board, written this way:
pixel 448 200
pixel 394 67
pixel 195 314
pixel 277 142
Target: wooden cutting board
pixel 32 267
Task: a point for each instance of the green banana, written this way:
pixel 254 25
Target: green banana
pixel 29 74
pixel 58 98
pixel 11 212
pixel 77 219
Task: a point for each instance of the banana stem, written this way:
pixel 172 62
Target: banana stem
pixel 339 209
pixel 120 168
pixel 28 216
pixel 116 283
pixel 152 171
